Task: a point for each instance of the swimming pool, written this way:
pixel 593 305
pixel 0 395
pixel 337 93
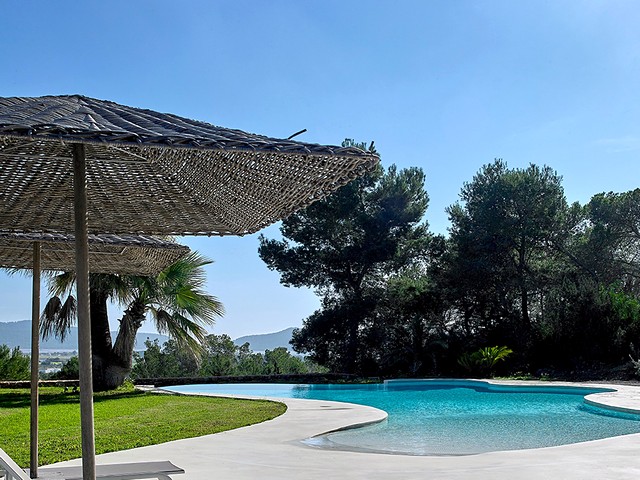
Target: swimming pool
pixel 453 417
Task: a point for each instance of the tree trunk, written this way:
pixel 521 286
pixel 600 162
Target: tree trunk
pixel 100 337
pixel 524 304
pixel 112 363
pixel 352 345
pixel 116 371
pixel 524 296
pixel 113 376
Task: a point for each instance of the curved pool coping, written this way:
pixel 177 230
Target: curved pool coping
pixel 618 398
pixel 275 449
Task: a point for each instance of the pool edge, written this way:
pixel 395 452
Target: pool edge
pixel 612 397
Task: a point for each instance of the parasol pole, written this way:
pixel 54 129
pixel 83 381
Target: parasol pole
pixel 35 360
pixel 84 320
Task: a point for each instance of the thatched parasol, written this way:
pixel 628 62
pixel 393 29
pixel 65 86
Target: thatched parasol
pixel 142 255
pixel 121 254
pixel 155 173
pixel 70 160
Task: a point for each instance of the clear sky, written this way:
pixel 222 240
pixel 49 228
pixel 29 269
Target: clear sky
pixel 444 85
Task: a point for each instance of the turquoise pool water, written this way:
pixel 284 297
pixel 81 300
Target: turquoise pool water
pixel 453 418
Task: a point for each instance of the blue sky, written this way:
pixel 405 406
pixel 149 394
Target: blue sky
pixel 444 85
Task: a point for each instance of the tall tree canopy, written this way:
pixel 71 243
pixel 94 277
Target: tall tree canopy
pixel 520 270
pixel 615 236
pixel 502 237
pixel 593 313
pixel 345 247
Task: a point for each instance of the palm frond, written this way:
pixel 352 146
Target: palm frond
pixel 198 304
pixel 188 268
pixel 61 283
pixel 187 333
pixel 57 318
pixel 17 271
pixel 180 289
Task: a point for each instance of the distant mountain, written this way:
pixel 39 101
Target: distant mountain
pixel 267 341
pixel 18 334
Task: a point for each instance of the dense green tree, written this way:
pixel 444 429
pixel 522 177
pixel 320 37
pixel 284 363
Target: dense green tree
pixel 503 236
pixel 168 360
pixel 591 313
pixel 414 319
pixel 344 247
pixel 249 363
pixel 70 370
pixel 557 283
pixel 14 365
pixel 614 238
pixel 279 361
pixel 175 300
pixel 150 364
pixel 220 356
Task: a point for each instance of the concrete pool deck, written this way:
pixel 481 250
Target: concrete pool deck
pixel 274 450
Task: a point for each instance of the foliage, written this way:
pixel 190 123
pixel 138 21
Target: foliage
pixel 124 419
pixel 592 310
pixel 70 370
pixel 414 332
pixel 248 362
pixel 279 361
pixel 221 357
pixel 166 361
pixel 559 283
pixel 345 247
pixel 484 360
pixel 14 365
pixel 502 237
pixel 175 300
pixel 624 305
pixel 614 238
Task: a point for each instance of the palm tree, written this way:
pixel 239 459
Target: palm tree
pixel 175 300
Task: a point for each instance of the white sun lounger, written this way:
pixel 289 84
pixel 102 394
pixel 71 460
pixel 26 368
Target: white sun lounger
pixel 115 471
pixel 9 470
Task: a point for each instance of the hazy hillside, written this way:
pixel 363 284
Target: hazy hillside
pixel 267 341
pixel 18 334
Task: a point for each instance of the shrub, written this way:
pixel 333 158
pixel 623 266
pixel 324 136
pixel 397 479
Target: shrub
pixel 484 360
pixel 14 365
pixel 69 371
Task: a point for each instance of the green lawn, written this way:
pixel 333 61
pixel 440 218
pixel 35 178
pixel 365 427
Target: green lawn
pixel 123 419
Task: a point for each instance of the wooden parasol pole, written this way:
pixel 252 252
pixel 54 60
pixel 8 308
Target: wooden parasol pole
pixel 35 360
pixel 84 319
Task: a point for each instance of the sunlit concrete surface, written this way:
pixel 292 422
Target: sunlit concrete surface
pixel 274 450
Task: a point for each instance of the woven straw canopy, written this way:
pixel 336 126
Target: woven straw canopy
pixel 122 254
pixel 155 173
